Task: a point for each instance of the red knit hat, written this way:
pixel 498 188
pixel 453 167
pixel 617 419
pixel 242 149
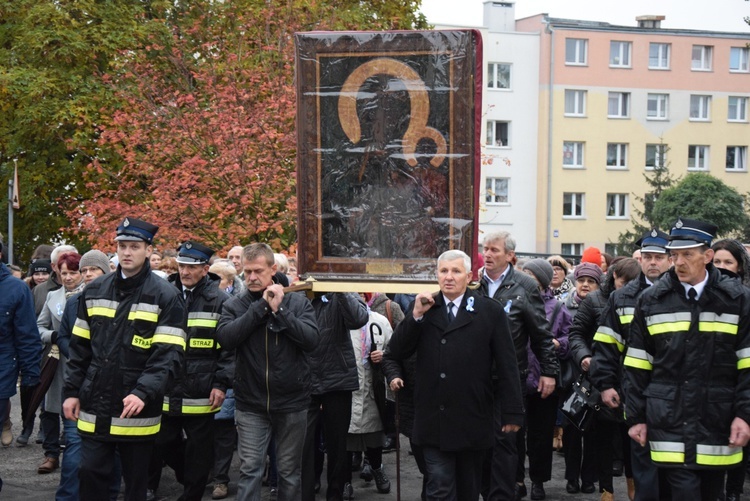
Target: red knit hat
pixel 592 255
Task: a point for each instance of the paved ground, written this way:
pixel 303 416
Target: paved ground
pixel 21 481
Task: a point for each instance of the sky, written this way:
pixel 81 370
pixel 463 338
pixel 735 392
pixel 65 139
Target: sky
pixel 714 15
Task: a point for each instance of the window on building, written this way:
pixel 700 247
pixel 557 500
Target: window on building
pixel 571 249
pixel 576 51
pixel 702 57
pixel 573 205
pixel 658 105
pixel 498 133
pixel 611 249
pixel 619 54
pixel 497 190
pixel 572 154
pixel 498 76
pixel 656 155
pixel 575 103
pixel 617 205
pixel 738 57
pixel 617 156
pixel 698 157
pixel 700 107
pixel 736 158
pixel 658 56
pixel 618 105
pixel 737 109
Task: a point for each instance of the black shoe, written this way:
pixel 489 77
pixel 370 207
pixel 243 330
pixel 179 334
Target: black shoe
pixel 617 467
pixel 520 491
pixel 733 496
pixel 381 481
pixel 537 491
pixel 366 473
pixel 150 495
pixel 356 461
pixel 587 488
pixel 389 444
pixel 572 487
pixel 23 438
pixel 348 492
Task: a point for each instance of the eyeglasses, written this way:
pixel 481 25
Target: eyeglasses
pixel 557 268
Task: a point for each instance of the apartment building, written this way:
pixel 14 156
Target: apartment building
pixel 615 101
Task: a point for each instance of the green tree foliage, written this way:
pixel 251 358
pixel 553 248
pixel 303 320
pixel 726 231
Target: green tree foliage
pixel 704 197
pixel 205 144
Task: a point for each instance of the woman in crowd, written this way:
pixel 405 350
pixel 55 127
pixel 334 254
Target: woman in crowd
pixel 155 259
pixel 607 427
pixel 561 285
pixel 39 271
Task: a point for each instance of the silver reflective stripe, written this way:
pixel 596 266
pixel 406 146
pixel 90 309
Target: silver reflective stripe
pixel 716 450
pixel 683 316
pixel 627 310
pixel 150 308
pixel 135 422
pixel 640 354
pixel 667 446
pixel 85 416
pixel 205 316
pixel 171 331
pixel 743 353
pixel 609 332
pixel 195 401
pixel 102 303
pixel 725 318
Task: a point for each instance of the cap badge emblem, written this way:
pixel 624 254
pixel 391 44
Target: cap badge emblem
pixel 188 245
pixel 678 224
pixel 654 233
pixel 126 223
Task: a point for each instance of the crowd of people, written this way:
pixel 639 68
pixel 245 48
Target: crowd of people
pixel 156 358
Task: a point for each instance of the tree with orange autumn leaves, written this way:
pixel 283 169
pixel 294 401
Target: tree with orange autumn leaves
pixel 203 143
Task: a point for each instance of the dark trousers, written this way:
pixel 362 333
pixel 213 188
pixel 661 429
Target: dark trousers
pixel 695 485
pixel 453 475
pixel 541 414
pixel 736 475
pixel 225 442
pixel 580 455
pixel 98 462
pixel 498 483
pixel 50 422
pixel 190 459
pixel 645 474
pixel 335 409
pixel 421 466
pixel 606 433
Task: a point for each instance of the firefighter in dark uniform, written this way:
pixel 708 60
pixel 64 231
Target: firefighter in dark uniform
pixel 687 368
pixel 128 341
pixel 199 389
pixel 610 342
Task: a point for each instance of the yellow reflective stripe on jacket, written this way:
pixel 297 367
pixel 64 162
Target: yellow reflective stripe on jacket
pixel 135 427
pixel 639 359
pixel 169 335
pixel 201 343
pixel 625 314
pixel 142 342
pixel 131 427
pixel 86 422
pixel 717 455
pixel 192 406
pixel 81 329
pixel 101 308
pixel 606 335
pixel 667 452
pixel 714 322
pixel 743 358
pixel 201 319
pixel 668 322
pixel 144 311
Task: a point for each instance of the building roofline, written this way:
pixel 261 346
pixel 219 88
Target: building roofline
pixel 577 24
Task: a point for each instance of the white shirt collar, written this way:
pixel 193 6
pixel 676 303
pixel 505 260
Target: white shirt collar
pixel 698 287
pixel 456 302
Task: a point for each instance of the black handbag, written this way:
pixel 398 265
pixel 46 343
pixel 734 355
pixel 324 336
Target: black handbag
pixel 575 405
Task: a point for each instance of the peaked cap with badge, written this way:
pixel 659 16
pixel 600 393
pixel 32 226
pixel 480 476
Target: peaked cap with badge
pixel 654 241
pixel 194 253
pixel 132 229
pixel 690 233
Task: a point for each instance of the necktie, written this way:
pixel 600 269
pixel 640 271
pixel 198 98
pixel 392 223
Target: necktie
pixel 188 299
pixel 451 316
pixel 692 295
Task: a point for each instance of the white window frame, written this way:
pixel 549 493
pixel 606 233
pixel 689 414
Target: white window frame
pixel 493 74
pixel 579 55
pixel 698 155
pixel 573 249
pixel 661 111
pixel 700 108
pixel 576 200
pixel 494 189
pixel 704 61
pixel 737 109
pixel 573 154
pixel 619 203
pixel 620 53
pixel 742 56
pixel 492 133
pixel 623 104
pixel 660 155
pixel 579 103
pixel 739 159
pixel 662 56
pixel 620 156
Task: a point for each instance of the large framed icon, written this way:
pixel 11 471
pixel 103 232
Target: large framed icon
pixel 388 151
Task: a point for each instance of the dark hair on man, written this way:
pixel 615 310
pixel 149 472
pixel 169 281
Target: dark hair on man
pixel 254 251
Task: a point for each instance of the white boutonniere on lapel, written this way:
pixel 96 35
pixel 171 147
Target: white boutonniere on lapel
pixel 470 304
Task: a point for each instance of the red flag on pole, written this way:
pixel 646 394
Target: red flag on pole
pixel 16 202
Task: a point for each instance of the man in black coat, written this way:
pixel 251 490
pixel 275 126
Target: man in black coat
pixel 460 338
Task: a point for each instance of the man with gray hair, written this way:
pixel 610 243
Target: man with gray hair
pixel 519 297
pixel 462 340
